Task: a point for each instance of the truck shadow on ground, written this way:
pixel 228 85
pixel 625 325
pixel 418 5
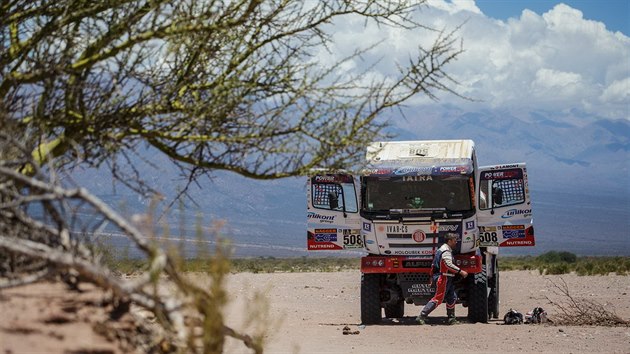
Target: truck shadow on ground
pixel 431 321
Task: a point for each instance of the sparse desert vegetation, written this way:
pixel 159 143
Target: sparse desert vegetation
pixel 552 262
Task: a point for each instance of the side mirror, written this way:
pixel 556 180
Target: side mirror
pixel 333 200
pixel 497 196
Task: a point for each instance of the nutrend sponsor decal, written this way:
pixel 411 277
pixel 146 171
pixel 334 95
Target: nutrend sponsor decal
pixel 515 212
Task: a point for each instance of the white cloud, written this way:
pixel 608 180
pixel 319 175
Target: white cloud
pixel 455 6
pixel 555 61
pixel 558 60
pixel 617 92
pixel 551 86
pixel 546 78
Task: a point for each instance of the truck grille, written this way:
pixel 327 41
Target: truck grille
pixel 422 278
pixel 406 241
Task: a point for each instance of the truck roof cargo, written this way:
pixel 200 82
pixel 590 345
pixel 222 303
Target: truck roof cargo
pixel 419 151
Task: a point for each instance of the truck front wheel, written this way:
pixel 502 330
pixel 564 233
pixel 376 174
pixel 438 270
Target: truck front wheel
pixel 370 298
pixel 478 297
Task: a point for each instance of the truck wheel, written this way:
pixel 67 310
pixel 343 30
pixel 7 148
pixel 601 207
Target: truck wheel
pixel 370 299
pixel 478 297
pixel 493 297
pixel 396 310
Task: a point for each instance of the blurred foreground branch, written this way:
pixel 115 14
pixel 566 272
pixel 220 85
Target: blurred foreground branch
pixel 38 239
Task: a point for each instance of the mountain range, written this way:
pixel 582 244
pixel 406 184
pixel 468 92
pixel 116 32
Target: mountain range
pixel 578 166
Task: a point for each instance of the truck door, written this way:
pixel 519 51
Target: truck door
pixel 504 210
pixel 333 221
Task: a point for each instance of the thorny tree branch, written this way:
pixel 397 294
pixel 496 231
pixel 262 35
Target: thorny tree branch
pixel 220 85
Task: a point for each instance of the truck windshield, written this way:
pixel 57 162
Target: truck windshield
pixel 450 193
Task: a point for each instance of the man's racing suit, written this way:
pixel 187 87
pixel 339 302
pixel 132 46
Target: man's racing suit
pixel 444 270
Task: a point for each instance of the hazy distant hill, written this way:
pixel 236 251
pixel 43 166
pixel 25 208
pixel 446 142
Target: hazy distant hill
pixel 566 152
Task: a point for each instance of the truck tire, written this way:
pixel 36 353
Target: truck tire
pixel 493 297
pixel 396 310
pixel 370 299
pixel 478 297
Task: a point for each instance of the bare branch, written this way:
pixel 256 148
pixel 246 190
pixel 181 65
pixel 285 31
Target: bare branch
pixel 577 311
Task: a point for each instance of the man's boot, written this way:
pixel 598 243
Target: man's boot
pixel 426 310
pixel 450 313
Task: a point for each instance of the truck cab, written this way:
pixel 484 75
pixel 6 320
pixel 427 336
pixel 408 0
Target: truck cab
pixel 398 209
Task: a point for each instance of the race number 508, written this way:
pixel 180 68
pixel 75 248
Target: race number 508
pixel 488 237
pixel 350 240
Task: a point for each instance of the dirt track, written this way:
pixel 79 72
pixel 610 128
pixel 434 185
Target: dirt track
pixel 315 307
pixel 308 311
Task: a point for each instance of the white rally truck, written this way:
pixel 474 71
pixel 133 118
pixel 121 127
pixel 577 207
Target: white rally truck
pixel 400 207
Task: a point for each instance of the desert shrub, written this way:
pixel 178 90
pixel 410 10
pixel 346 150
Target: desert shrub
pixel 585 268
pixel 624 267
pixel 606 267
pixel 557 268
pixel 564 262
pixel 555 257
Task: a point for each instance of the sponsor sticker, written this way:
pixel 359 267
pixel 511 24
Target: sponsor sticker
pixel 420 290
pixel 322 218
pixel 325 238
pixel 515 173
pixel 515 212
pixel 325 235
pixel 406 252
pixel 513 231
pixel 329 179
pixel 397 229
pixel 325 231
pixel 448 228
pixel 419 236
pixel 367 226
pixel 470 225
pixel 411 170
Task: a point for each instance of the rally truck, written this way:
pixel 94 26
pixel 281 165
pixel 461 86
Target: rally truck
pixel 398 209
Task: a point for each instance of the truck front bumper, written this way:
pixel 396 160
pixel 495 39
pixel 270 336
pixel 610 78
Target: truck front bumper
pixel 471 263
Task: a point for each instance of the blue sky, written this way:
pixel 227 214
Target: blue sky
pixel 615 14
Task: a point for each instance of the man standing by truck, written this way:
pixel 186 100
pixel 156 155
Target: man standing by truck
pixel 444 270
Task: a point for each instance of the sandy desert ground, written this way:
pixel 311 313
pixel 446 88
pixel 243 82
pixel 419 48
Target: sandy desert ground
pixel 307 312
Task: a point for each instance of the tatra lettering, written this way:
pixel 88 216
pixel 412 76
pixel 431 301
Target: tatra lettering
pixel 417 178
